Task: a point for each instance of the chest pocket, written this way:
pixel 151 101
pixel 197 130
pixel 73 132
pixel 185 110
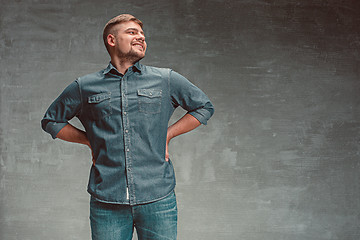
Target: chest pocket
pixel 99 105
pixel 149 100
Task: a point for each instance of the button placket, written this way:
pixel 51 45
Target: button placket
pixel 127 142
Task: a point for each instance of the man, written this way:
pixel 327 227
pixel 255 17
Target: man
pixel 125 110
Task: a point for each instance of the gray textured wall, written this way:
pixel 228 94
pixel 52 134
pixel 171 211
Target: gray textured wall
pixel 280 157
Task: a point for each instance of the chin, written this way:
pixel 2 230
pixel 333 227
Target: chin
pixel 133 56
pixel 141 55
pixel 138 58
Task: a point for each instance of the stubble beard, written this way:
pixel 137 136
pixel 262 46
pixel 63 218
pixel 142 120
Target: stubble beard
pixel 131 56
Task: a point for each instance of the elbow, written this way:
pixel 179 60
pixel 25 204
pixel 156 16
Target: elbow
pixel 44 123
pixel 210 108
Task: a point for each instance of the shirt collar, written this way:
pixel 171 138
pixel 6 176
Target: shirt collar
pixel 136 68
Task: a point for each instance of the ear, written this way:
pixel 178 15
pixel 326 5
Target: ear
pixel 110 40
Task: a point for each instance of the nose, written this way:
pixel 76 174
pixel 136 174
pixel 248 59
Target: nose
pixel 140 37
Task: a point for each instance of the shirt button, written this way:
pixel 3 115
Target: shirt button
pixel 125 113
pixel 126 131
pixel 127 150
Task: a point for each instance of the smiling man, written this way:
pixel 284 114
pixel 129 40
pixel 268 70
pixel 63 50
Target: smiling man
pixel 125 109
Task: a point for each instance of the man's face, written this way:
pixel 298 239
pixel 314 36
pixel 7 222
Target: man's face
pixel 130 41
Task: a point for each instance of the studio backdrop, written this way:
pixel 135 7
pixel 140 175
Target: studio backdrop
pixel 279 160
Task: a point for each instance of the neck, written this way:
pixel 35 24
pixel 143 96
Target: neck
pixel 121 65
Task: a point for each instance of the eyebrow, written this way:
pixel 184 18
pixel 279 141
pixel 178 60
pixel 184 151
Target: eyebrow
pixel 134 29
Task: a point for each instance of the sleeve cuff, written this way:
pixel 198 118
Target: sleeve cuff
pixel 202 115
pixel 53 128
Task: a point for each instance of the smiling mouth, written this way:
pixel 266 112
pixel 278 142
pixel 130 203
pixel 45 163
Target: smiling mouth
pixel 139 45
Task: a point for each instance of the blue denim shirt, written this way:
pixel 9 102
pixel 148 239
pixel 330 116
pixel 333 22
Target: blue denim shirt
pixel 126 118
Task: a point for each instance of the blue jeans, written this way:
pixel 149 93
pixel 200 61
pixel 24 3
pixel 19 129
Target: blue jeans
pixel 153 221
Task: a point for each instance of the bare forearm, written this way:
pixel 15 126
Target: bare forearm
pixel 183 125
pixel 70 133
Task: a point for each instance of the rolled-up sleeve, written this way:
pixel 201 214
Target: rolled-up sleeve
pixel 191 98
pixel 64 108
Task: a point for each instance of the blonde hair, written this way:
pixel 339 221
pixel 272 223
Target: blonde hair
pixel 110 25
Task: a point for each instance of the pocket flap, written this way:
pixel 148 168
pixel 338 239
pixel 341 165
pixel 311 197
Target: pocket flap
pixel 151 93
pixel 99 97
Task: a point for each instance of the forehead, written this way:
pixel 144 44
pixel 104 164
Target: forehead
pixel 129 25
